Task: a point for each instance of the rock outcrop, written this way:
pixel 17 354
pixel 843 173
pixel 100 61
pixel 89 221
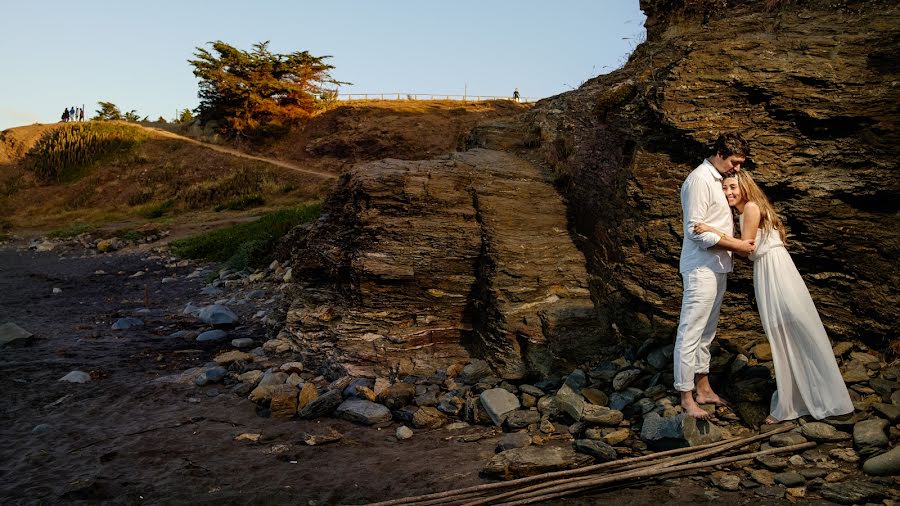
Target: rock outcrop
pixel 416 264
pixel 812 85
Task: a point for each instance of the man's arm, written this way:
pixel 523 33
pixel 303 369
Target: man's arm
pixel 695 200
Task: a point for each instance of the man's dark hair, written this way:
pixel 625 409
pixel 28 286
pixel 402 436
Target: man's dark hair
pixel 732 144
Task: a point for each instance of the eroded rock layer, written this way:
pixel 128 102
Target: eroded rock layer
pixel 417 264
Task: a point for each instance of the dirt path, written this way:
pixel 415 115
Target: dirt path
pixel 235 152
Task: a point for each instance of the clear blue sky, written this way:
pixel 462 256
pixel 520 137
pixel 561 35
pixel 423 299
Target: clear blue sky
pixel 58 53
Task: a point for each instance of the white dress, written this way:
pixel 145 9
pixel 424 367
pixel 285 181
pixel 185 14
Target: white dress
pixel 807 376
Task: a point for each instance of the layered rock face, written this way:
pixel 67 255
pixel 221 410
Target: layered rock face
pixel 417 264
pixel 813 87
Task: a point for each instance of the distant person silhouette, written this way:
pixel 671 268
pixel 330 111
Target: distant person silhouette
pixel 72 113
pixel 81 114
pixel 516 95
pixel 65 115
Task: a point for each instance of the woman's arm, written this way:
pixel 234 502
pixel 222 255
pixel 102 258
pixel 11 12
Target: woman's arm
pixel 700 228
pixel 752 218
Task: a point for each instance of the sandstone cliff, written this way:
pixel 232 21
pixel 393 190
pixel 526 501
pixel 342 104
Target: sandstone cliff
pixel 416 263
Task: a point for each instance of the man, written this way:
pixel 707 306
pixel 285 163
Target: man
pixel 705 262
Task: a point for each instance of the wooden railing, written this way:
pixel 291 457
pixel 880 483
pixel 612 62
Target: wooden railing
pixel 427 96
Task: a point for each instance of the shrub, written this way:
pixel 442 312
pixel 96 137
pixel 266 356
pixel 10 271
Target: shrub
pixel 245 202
pixel 60 152
pixel 246 244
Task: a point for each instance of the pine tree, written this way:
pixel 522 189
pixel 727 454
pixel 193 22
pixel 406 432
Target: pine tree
pixel 257 92
pixel 108 111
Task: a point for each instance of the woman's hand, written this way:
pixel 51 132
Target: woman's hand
pixel 703 227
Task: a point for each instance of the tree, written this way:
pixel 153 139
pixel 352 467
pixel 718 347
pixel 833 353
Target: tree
pixel 252 93
pixel 184 116
pixel 132 115
pixel 108 111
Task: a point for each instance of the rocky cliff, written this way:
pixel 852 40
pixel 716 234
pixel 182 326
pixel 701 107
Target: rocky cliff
pixel 583 192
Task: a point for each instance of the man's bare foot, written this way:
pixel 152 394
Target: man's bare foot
pixel 712 398
pixel 771 420
pixel 691 408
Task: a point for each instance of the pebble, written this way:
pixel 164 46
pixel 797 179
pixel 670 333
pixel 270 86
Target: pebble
pixel 212 336
pixel 76 377
pixel 403 432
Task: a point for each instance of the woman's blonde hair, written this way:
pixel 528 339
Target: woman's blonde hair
pixel 752 193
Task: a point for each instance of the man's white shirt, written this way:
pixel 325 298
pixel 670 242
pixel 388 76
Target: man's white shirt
pixel 703 201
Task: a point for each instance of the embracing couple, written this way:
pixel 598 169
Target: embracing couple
pixel 807 376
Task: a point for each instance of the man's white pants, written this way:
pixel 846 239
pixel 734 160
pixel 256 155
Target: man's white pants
pixel 703 292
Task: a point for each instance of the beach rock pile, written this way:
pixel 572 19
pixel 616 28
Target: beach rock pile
pixel 100 242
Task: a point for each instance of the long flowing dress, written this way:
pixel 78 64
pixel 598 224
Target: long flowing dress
pixel 807 376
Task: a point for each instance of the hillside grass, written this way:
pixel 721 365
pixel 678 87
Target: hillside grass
pixel 246 244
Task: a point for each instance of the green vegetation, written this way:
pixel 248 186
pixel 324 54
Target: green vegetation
pixel 108 111
pixel 242 203
pixel 72 230
pixel 246 244
pixel 258 93
pixel 240 185
pixel 61 152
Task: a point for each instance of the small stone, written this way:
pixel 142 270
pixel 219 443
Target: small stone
pixel 522 418
pixel 475 371
pixel 598 449
pixel 211 375
pixel 889 411
pixel 813 473
pixel 76 377
pixel 834 476
pixel 821 432
pixel 656 428
pixel 763 477
pixel 403 432
pixel 855 372
pixel 319 439
pixel 626 378
pixel 212 336
pixel 616 437
pixel 790 479
pixel 845 454
pixel 770 491
pixel 700 432
pixel 398 395
pixel 127 323
pixel 729 482
pixel 41 428
pixel 321 406
pixel 762 352
pixel 595 396
pixel 242 342
pixel 233 356
pixel 772 462
pixel 290 367
pixel 512 440
pixel 251 377
pixel 841 348
pixel 796 460
pixel 428 417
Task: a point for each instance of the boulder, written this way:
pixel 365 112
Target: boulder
pixel 283 402
pixel 601 415
pixel 498 402
pixel 852 492
pixel 821 432
pixel 10 332
pixel 398 395
pixel 475 371
pixel 512 440
pixel 217 314
pixel 76 377
pixel 363 411
pixel 657 429
pixel 886 464
pixel 322 406
pixel 869 435
pixel 786 439
pixel 699 432
pixel 533 460
pixel 127 323
pixel 601 451
pixel 211 336
pixel 570 401
pixel 522 418
pixel 626 378
pixel 427 417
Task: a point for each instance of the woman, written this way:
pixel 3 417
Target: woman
pixel 807 376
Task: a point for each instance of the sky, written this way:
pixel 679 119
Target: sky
pixel 55 53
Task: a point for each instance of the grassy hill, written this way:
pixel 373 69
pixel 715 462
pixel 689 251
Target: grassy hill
pixel 149 177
